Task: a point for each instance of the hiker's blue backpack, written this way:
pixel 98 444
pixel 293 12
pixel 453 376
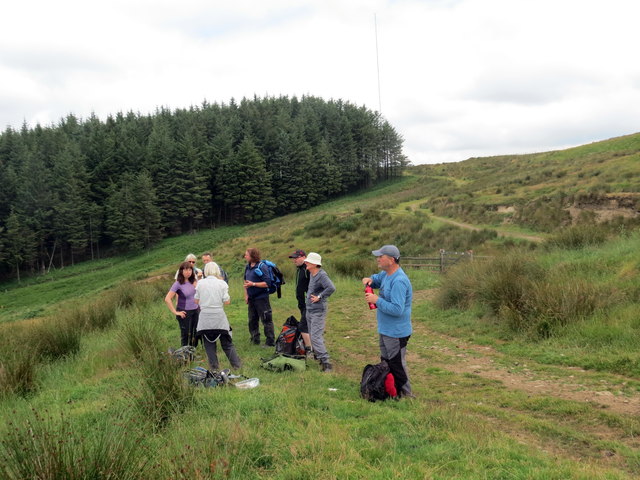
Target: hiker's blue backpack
pixel 276 278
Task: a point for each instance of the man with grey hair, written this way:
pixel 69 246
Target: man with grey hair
pixel 393 313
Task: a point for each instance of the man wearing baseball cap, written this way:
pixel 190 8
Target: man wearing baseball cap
pixel 302 285
pixel 393 313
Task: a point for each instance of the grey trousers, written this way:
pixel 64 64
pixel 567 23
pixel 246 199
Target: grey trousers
pixel 316 319
pixel 209 341
pixel 394 351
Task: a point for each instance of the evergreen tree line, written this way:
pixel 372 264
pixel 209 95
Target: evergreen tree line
pixel 76 190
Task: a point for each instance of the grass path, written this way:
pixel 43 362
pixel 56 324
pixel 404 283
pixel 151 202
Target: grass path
pixel 564 411
pixel 501 233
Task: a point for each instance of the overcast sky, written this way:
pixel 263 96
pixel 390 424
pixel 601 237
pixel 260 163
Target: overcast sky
pixel 457 78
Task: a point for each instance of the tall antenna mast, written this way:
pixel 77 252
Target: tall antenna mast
pixel 375 23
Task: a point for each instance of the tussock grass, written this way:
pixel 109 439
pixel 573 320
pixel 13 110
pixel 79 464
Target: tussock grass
pixel 60 337
pixel 518 290
pixel 41 445
pixel 159 388
pixel 138 333
pixel 17 371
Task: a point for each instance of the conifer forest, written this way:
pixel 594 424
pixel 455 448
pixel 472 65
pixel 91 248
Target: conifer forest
pixel 84 188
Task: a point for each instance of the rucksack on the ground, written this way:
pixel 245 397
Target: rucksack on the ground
pixel 290 340
pixel 284 363
pixel 183 354
pixel 276 277
pixel 372 386
pixel 201 377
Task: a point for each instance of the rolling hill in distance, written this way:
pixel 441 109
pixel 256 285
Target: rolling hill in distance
pixel 525 360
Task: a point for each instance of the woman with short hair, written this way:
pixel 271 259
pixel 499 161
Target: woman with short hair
pixel 212 293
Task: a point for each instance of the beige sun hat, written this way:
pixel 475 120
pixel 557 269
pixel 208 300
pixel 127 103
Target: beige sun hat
pixel 314 258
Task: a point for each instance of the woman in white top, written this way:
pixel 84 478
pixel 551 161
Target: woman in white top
pixel 212 293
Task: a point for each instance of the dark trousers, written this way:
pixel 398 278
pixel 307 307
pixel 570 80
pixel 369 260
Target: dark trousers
pixel 260 310
pixel 209 341
pixel 188 326
pixel 394 351
pixel 303 326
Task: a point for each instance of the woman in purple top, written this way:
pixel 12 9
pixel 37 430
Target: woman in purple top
pixel 186 311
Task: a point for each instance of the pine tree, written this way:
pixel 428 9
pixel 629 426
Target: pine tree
pixel 19 243
pixel 247 185
pixel 161 150
pixel 147 211
pixel 133 218
pixel 72 205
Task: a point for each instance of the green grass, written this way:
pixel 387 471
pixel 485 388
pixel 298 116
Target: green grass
pixel 115 392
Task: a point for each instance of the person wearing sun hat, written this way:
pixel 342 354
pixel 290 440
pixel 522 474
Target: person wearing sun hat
pixel 320 289
pixel 393 313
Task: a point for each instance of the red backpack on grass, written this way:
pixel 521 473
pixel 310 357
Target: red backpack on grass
pixel 290 342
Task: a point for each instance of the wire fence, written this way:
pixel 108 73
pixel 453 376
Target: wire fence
pixel 442 262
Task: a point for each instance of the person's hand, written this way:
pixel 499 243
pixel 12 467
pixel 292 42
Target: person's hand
pixel 181 314
pixel 366 281
pixel 371 297
pixel 248 284
pixel 314 298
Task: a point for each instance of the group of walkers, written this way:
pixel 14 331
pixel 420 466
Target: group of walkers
pixel 202 294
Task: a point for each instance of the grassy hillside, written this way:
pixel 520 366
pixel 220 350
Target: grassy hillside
pixel 544 191
pixel 525 365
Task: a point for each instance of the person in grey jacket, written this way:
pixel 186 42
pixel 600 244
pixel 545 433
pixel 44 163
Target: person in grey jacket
pixel 320 289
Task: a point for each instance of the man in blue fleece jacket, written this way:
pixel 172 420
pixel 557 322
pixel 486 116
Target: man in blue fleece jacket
pixel 394 313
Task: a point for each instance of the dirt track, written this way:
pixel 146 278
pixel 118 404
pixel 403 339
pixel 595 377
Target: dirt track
pixel 569 383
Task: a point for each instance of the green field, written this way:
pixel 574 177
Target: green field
pixel 526 365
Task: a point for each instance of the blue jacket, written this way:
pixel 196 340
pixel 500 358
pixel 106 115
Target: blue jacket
pixel 251 274
pixel 394 303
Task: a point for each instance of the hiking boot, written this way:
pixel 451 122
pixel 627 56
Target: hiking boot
pixel 326 367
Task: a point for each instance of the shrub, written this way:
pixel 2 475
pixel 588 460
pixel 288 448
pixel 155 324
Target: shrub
pixel 55 338
pixel 353 267
pixel 319 227
pixel 579 236
pixel 17 372
pixel 460 285
pixel 560 301
pixel 134 294
pixel 42 447
pixel 139 334
pixel 508 281
pixel 162 389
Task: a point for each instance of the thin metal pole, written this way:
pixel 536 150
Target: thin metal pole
pixel 375 23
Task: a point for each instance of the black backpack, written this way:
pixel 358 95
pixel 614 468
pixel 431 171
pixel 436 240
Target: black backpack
pixel 290 341
pixel 372 383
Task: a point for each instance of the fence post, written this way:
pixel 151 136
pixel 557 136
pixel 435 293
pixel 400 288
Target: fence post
pixel 442 260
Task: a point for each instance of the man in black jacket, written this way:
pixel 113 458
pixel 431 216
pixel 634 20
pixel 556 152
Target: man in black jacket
pixel 302 285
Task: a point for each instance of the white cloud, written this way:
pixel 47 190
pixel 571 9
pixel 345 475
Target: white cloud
pixel 458 78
